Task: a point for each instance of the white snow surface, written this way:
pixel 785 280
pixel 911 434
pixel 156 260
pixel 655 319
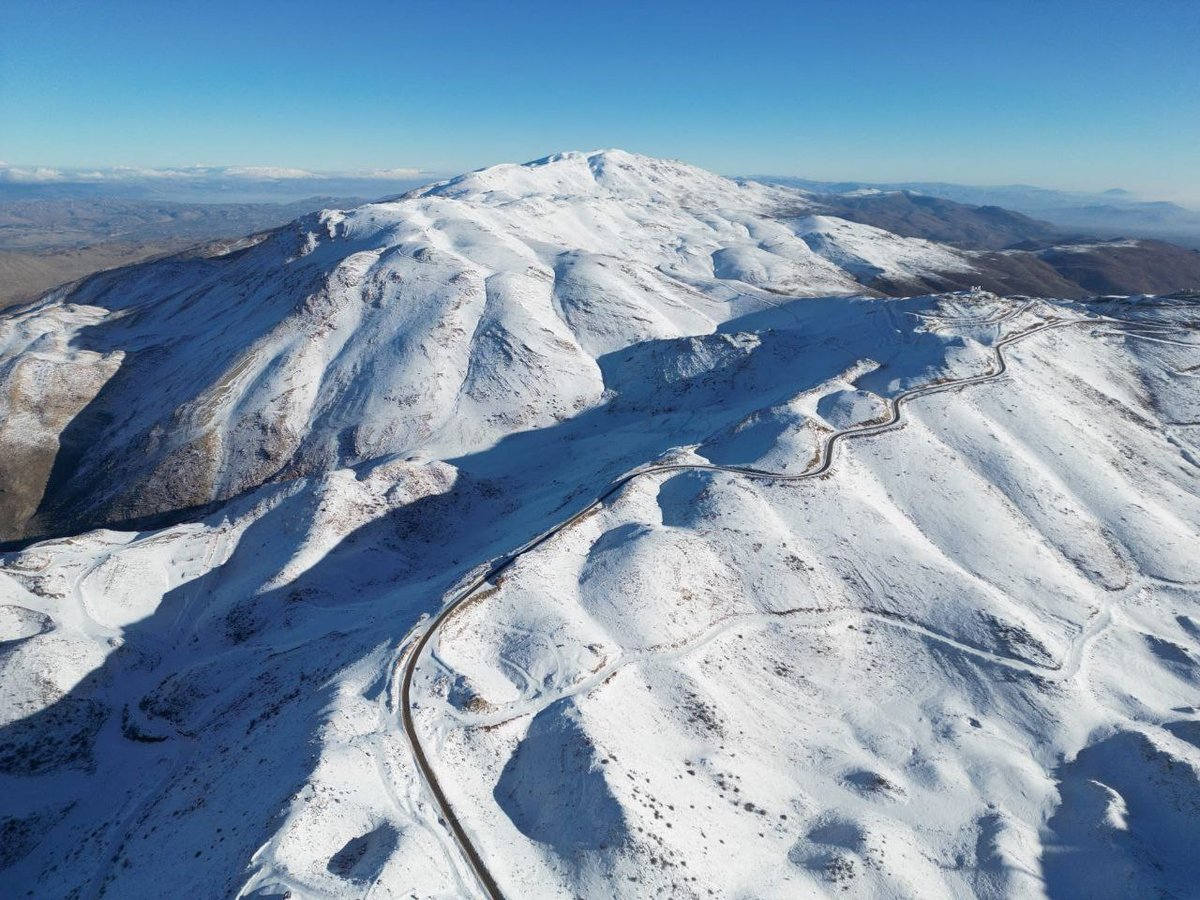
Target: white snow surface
pixel 868 252
pixel 963 662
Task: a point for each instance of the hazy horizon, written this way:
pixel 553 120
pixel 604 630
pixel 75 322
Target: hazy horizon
pixel 253 177
pixel 863 91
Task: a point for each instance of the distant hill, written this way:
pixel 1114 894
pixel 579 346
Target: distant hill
pixel 936 219
pixel 1113 213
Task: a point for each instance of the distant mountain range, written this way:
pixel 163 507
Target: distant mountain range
pixel 70 224
pixel 57 225
pixel 1112 213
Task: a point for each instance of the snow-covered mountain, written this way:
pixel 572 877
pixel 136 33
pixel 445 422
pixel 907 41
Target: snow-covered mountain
pixel 319 601
pixel 434 324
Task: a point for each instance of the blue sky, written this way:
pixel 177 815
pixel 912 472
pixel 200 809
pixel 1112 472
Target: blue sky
pixel 1062 93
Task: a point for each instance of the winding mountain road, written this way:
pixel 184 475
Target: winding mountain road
pixel 895 404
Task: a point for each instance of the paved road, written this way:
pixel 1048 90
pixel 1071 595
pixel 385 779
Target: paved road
pixel 895 417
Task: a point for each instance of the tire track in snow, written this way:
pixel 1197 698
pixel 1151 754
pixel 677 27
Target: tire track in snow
pixel 819 618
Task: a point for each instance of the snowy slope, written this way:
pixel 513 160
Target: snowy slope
pixel 435 323
pixel 961 662
pixel 868 252
pixel 773 689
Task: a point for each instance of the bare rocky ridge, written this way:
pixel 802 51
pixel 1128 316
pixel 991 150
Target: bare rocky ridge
pixel 935 219
pixel 1109 214
pixel 1017 254
pixel 1111 267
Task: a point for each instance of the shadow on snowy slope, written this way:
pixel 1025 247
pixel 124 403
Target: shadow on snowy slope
pixel 553 775
pixel 235 300
pixel 1126 826
pixel 188 744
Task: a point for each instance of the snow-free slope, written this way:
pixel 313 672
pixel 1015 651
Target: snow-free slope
pixel 962 661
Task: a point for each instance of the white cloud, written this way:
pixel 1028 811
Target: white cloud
pixel 398 173
pixel 272 172
pixel 199 174
pixel 36 175
pixel 132 173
